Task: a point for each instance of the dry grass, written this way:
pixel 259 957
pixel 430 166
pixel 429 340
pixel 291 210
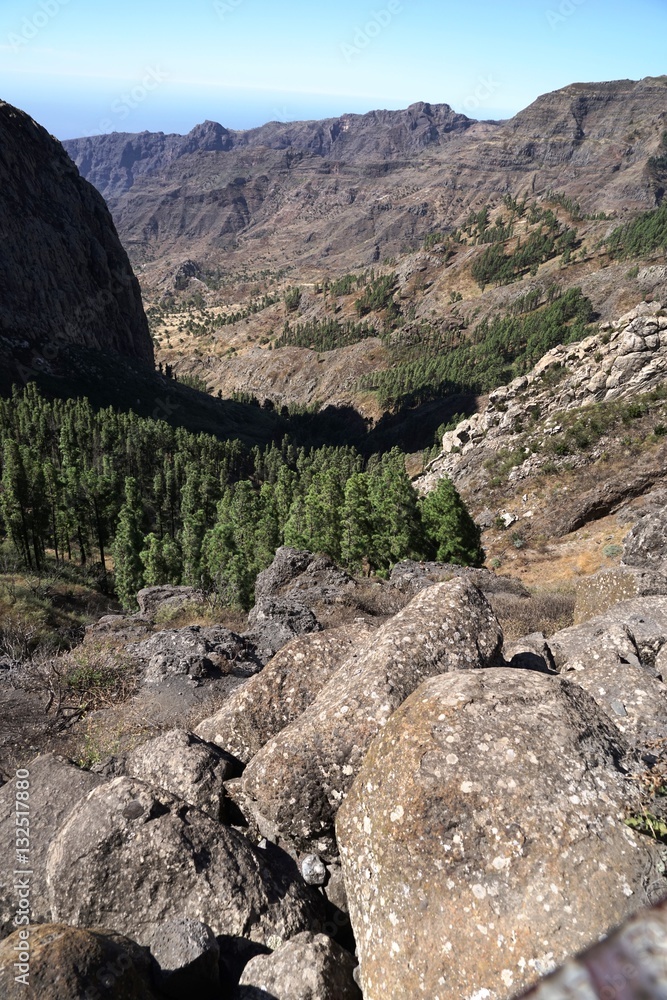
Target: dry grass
pixel 545 611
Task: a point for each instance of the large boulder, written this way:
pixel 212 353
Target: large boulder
pixel 186 766
pixel 197 652
pixel 152 600
pixel 646 544
pixel 188 955
pixel 309 967
pixel 602 591
pixel 69 963
pixel 273 622
pixel 484 840
pixel 631 963
pixel 613 657
pixel 412 576
pixel 132 855
pixel 299 779
pixel 310 579
pixel 56 788
pixel 277 696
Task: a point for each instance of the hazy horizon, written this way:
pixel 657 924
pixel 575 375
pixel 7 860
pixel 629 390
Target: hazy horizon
pixel 119 66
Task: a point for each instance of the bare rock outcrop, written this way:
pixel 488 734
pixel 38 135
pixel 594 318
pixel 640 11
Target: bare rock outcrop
pixel 488 817
pixel 297 782
pixel 132 856
pixel 196 652
pixel 56 787
pixel 70 963
pixel 290 682
pixel 186 766
pixel 66 280
pixel 309 967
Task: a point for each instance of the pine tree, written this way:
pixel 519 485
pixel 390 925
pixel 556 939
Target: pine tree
pixel 452 535
pixel 128 545
pixel 356 520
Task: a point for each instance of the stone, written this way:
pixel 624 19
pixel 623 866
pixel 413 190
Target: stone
pixel 278 695
pixel 69 963
pixel 272 623
pixel 197 652
pixel 186 766
pixel 601 591
pixel 531 652
pixel 489 818
pixel 309 579
pixel 56 788
pixel 646 544
pixel 313 869
pixel 630 963
pixel 297 781
pixel 613 656
pixel 154 599
pixel 188 955
pixel 411 576
pixel 309 967
pixel 158 859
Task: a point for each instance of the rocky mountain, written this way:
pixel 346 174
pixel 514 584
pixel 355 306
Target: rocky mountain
pixel 329 196
pixel 65 277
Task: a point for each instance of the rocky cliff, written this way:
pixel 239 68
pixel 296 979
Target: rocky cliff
pixel 64 275
pixel 350 191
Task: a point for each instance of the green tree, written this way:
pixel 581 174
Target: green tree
pixel 128 545
pixel 452 535
pixel 356 521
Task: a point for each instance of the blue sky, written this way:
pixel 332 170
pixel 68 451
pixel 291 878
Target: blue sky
pixel 84 67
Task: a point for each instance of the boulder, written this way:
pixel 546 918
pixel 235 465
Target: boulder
pixel 484 840
pixel 68 963
pixel 613 658
pixel 274 622
pixel 186 766
pixel 188 955
pixel 309 967
pixel 132 855
pixel 310 579
pixel 531 652
pixel 289 683
pixel 56 787
pixel 646 544
pixel 412 576
pixel 601 591
pixel 298 779
pixel 631 963
pixel 196 652
pixel 154 599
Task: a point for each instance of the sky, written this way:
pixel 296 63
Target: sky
pixel 87 67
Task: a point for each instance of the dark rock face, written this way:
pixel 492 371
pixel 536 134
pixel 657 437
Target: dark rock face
pixel 68 963
pixel 134 856
pixel 301 576
pixel 65 277
pixel 196 652
pixel 289 683
pixel 483 808
pixel 272 623
pixel 56 788
pixel 309 967
pixel 300 777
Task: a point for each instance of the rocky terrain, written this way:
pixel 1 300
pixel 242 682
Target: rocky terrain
pixel 383 773
pixel 66 279
pixel 341 194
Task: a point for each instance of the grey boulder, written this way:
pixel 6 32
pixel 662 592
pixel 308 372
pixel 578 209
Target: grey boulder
pixel 309 967
pixel 196 652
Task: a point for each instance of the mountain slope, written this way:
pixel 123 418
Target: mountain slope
pixel 328 196
pixel 65 279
